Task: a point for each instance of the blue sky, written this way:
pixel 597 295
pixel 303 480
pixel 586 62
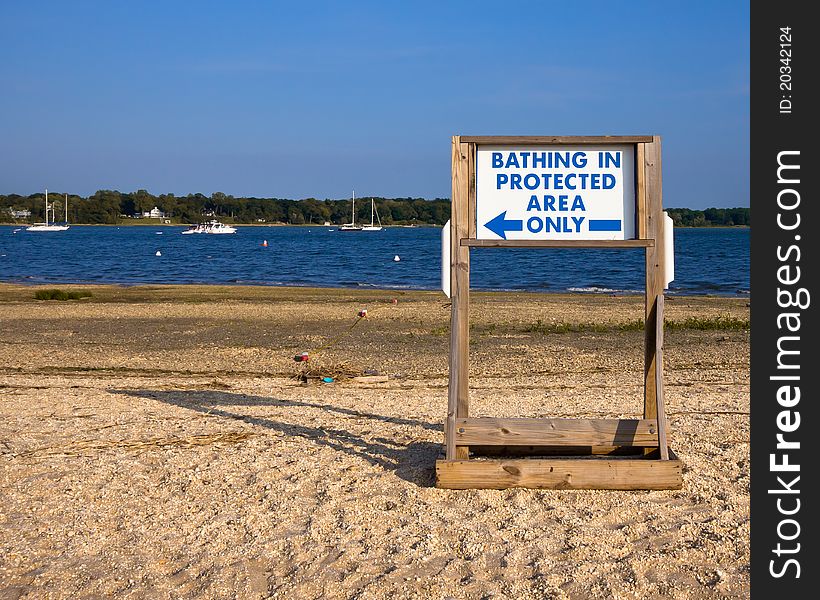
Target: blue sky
pixel 315 99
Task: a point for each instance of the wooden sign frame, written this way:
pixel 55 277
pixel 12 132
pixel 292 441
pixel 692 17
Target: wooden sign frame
pixel 652 465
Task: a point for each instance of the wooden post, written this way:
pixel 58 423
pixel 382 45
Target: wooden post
pixel 471 224
pixel 640 191
pixel 654 273
pixel 659 399
pixel 458 403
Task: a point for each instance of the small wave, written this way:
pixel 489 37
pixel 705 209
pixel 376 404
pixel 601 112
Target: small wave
pixel 601 290
pixel 592 290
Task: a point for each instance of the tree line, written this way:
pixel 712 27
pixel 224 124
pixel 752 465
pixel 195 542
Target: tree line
pixel 711 217
pixel 113 207
pixel 116 208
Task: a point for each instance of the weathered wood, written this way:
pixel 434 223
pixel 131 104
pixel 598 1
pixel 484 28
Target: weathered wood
pixel 659 399
pixel 458 401
pixel 640 189
pixel 570 474
pixel 471 192
pixel 557 432
pixel 532 140
pixel 558 243
pixel 654 270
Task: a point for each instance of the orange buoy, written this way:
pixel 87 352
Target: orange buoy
pixel 264 243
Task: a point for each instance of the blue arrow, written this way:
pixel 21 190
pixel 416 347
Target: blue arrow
pixel 500 226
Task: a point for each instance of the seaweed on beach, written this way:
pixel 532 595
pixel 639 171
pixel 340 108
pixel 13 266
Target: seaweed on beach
pixel 55 294
pixel 718 323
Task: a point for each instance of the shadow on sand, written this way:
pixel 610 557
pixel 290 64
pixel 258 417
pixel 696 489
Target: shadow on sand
pixel 412 462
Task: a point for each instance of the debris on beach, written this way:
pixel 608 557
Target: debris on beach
pixel 336 372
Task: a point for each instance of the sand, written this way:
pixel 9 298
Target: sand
pixel 155 442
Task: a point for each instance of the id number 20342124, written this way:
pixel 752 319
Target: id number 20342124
pixel 785 105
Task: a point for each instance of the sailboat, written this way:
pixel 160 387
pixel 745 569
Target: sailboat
pixel 352 225
pixel 373 226
pixel 53 227
pixel 374 214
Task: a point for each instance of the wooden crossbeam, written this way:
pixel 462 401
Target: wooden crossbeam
pixel 557 243
pixel 556 432
pixel 538 140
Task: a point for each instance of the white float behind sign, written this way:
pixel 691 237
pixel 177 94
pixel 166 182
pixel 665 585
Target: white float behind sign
pixel 445 259
pixel 555 192
pixel 668 250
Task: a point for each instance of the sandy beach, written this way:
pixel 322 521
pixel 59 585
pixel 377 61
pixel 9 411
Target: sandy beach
pixel 157 442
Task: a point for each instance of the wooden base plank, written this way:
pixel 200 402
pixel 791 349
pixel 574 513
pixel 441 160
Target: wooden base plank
pixel 561 474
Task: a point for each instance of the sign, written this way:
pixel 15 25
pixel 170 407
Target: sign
pixel 573 192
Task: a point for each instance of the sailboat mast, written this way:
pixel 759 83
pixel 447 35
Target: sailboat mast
pixel 353 210
pixel 46 207
pixel 371 211
pixel 66 208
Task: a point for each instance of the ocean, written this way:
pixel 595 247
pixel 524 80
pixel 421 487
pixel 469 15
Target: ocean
pixel 707 261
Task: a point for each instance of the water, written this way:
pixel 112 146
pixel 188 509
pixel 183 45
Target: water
pixel 707 261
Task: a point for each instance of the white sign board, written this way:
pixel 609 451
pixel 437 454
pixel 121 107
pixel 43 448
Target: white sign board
pixel 555 192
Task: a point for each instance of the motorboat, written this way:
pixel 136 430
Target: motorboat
pixel 210 227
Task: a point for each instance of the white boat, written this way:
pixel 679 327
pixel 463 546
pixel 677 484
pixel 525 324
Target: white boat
pixel 373 212
pixel 53 226
pixel 214 227
pixel 352 225
pixel 373 226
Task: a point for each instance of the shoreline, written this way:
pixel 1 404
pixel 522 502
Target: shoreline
pixel 17 289
pixel 391 226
